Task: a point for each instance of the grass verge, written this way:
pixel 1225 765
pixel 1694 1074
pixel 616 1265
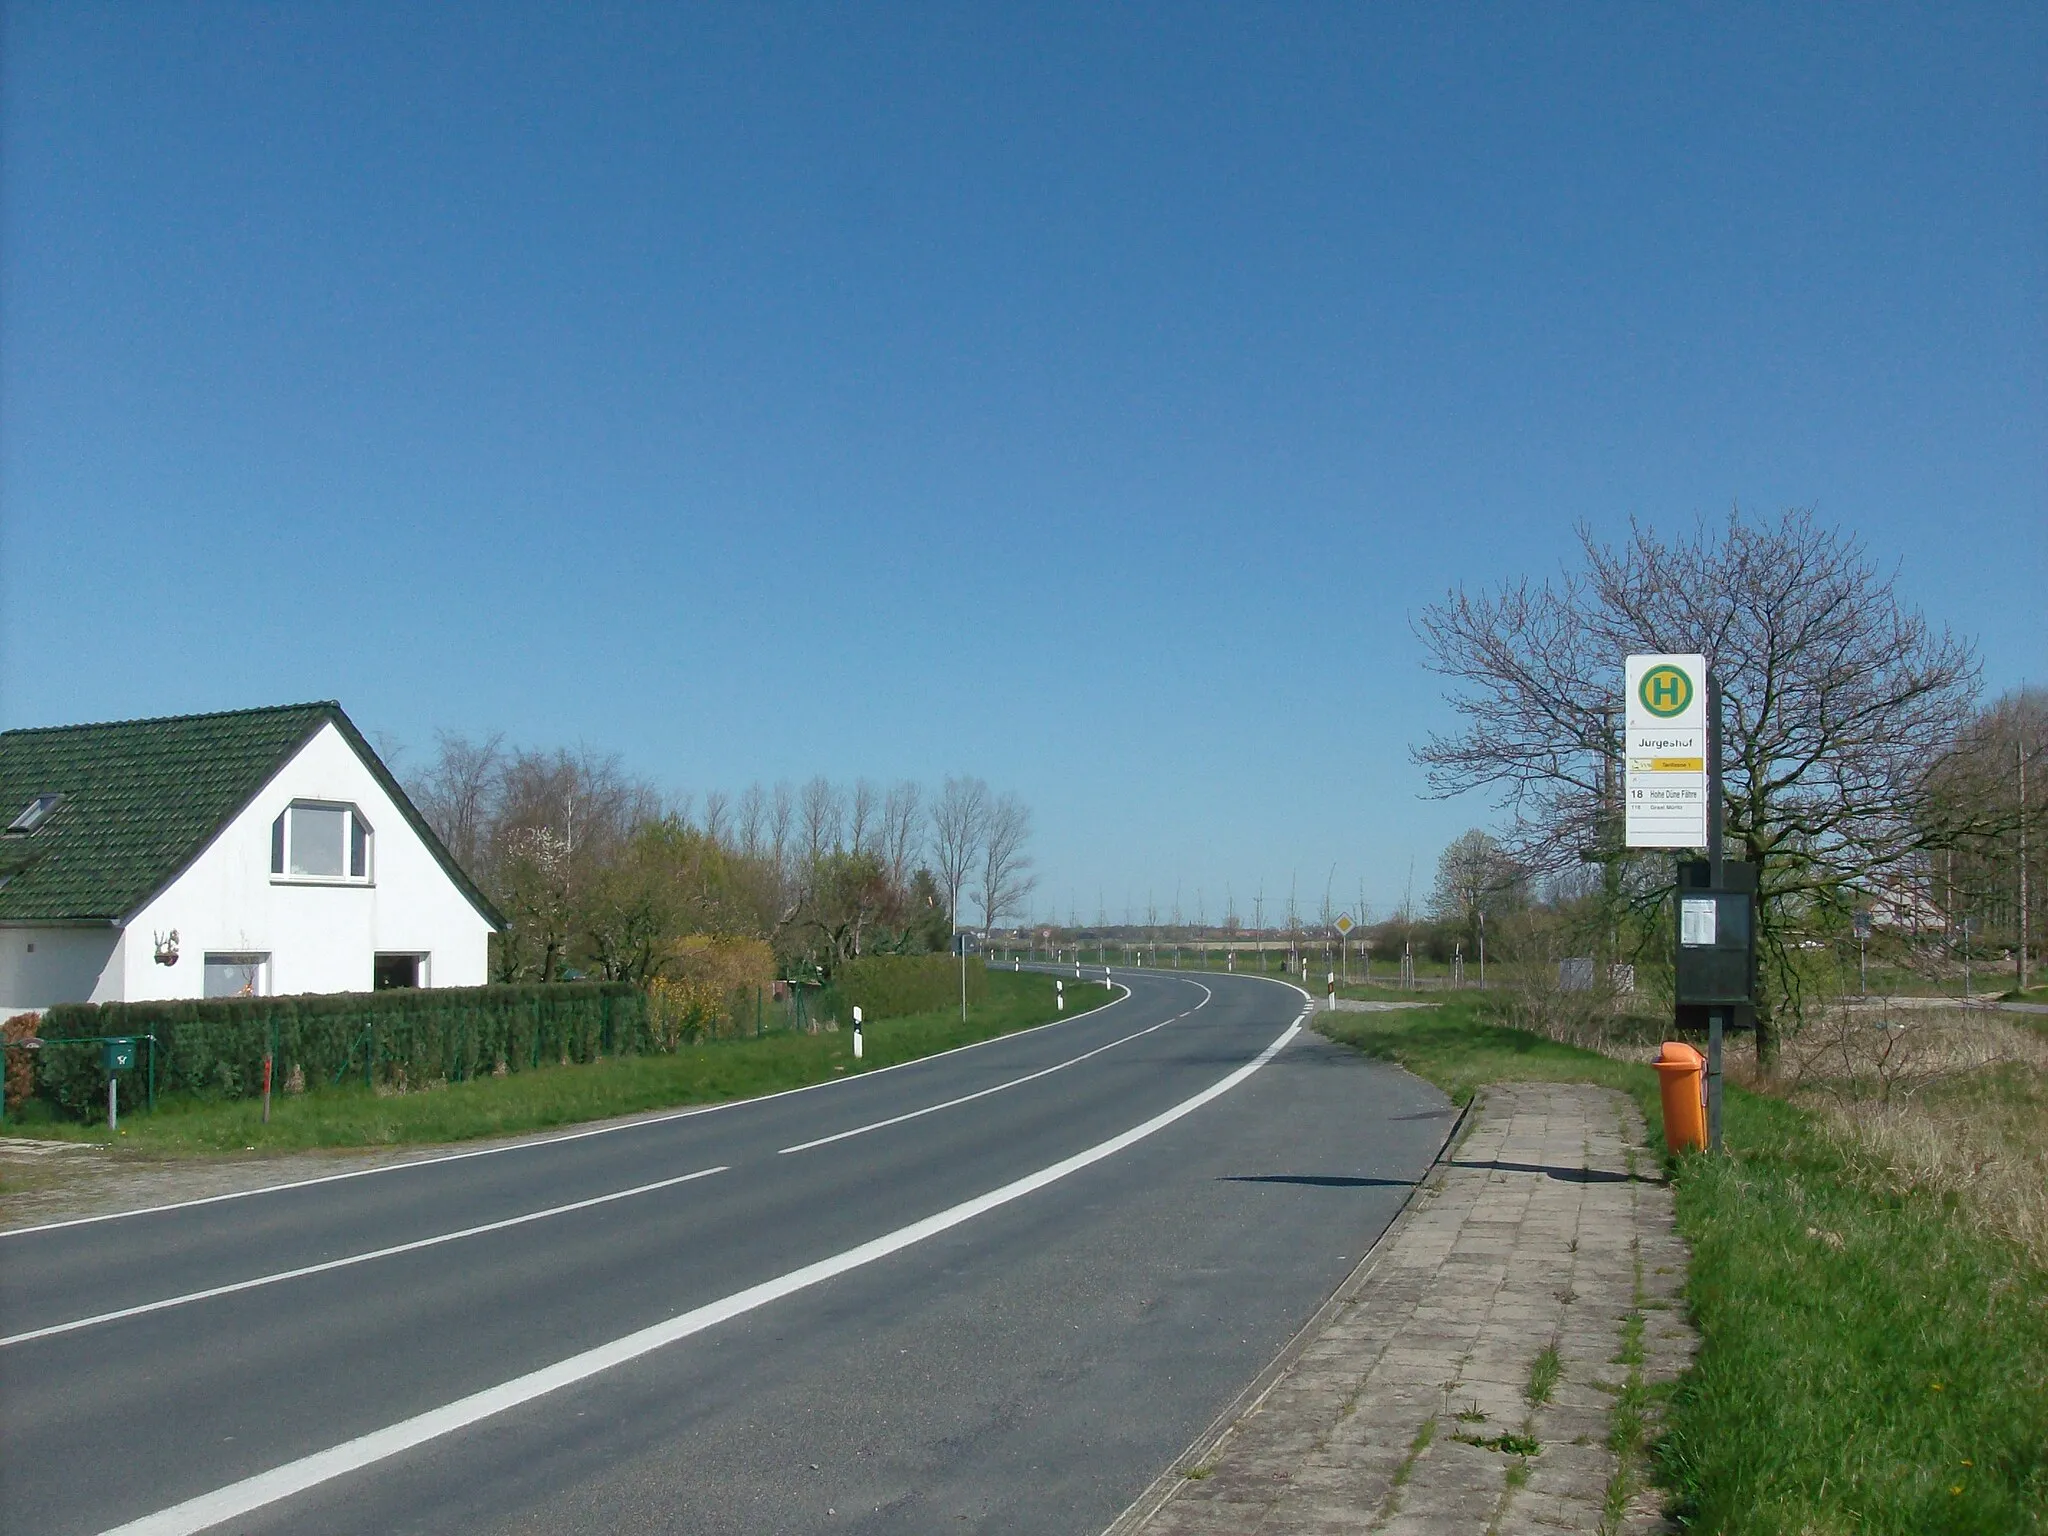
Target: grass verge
pixel 353 1116
pixel 1868 1363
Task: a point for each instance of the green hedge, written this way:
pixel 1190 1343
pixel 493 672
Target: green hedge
pixel 401 1038
pixel 890 986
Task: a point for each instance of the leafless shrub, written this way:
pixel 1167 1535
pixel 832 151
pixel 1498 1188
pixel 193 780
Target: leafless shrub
pixel 1856 1055
pixel 1592 1019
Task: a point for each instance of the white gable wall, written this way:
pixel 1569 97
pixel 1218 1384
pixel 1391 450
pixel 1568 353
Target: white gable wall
pixel 41 966
pixel 320 937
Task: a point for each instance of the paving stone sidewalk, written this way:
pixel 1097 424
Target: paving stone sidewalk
pixel 1416 1402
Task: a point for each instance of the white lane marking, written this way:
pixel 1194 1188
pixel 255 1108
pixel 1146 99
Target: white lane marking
pixel 969 1098
pixel 294 1477
pixel 550 1141
pixel 355 1258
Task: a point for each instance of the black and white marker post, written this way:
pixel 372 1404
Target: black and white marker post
pixel 856 1031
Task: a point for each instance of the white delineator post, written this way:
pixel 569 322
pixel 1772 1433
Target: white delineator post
pixel 856 1031
pixel 1059 997
pixel 1333 991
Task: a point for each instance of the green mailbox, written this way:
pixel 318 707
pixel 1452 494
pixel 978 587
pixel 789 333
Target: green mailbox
pixel 117 1055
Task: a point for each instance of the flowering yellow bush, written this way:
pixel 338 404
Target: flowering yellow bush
pixel 705 980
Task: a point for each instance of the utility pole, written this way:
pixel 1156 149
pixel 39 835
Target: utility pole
pixel 1610 810
pixel 1716 1017
pixel 2020 750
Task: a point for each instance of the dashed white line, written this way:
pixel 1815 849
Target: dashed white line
pixel 969 1098
pixel 280 1276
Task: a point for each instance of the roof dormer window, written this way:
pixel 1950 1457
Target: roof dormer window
pixel 317 840
pixel 35 813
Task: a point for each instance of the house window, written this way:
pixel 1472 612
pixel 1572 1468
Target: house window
pixel 314 840
pixel 399 971
pixel 240 975
pixel 35 813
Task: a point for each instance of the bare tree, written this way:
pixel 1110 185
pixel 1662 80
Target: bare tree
pixel 902 829
pixel 822 813
pixel 1836 701
pixel 781 823
pixel 959 825
pixel 1473 875
pixel 1997 776
pixel 718 817
pixel 863 818
pixel 752 821
pixel 459 795
pixel 1006 877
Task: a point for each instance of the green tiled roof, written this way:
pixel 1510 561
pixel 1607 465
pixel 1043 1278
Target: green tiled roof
pixel 142 799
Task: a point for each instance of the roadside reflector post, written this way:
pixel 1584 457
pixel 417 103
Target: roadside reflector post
pixel 1106 985
pixel 856 1031
pixel 1333 991
pixel 1059 997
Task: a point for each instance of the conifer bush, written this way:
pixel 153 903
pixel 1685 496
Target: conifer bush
pixel 400 1039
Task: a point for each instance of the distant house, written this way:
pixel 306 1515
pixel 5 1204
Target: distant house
pixel 258 851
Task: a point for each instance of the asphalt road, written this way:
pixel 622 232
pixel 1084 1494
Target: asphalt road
pixel 1006 1314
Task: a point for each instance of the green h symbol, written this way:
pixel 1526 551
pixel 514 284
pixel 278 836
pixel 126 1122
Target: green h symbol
pixel 1666 690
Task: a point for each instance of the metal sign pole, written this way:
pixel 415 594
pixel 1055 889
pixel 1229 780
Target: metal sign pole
pixel 1716 1017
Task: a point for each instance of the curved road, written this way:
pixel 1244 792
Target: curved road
pixel 996 1289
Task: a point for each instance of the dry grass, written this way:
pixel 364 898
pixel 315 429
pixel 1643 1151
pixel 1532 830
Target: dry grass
pixel 1950 1101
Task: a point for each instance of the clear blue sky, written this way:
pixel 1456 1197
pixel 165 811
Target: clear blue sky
pixel 1080 397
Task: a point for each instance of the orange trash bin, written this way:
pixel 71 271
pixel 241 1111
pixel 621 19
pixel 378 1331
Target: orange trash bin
pixel 1682 1075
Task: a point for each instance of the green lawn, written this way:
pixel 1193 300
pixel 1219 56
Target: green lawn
pixel 353 1116
pixel 1868 1364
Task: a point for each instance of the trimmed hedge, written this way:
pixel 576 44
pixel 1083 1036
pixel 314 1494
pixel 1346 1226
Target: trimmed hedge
pixel 402 1038
pixel 890 986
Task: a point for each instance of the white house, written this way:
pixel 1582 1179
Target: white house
pixel 256 851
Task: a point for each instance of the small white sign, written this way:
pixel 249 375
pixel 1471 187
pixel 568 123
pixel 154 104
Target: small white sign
pixel 1664 752
pixel 1696 916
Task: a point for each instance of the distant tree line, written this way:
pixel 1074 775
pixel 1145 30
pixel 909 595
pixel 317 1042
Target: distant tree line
pixel 599 875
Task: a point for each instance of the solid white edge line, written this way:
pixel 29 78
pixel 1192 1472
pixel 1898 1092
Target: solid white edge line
pixel 294 1477
pixel 969 1098
pixel 550 1141
pixel 143 1308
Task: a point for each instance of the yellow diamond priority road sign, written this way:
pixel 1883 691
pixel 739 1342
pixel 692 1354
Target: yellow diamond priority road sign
pixel 1665 752
pixel 1344 925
